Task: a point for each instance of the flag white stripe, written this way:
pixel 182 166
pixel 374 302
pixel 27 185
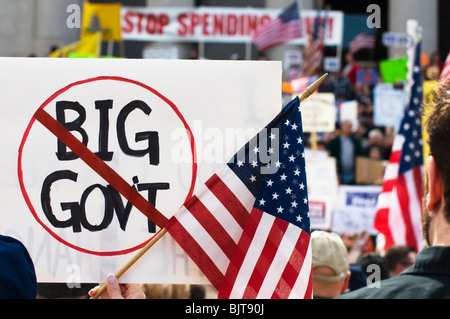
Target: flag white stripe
pixel 301 284
pixel 395 219
pixel 279 262
pixel 391 171
pixel 252 255
pixel 223 216
pixel 237 187
pixel 202 237
pixel 384 200
pixel 415 206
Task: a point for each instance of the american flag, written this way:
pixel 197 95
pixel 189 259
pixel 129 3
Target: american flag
pixel 399 207
pixel 364 40
pixel 249 230
pixel 313 53
pixel 445 73
pixel 283 28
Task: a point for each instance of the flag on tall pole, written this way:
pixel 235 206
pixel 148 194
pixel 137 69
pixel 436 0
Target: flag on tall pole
pixel 364 40
pixel 399 208
pixel 103 17
pixel 279 30
pixel 445 73
pixel 249 230
pixel 313 53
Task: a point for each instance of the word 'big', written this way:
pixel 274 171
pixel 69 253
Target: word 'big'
pixel 113 203
pixel 152 148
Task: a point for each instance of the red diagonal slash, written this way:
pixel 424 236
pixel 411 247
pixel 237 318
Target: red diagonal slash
pixel 114 179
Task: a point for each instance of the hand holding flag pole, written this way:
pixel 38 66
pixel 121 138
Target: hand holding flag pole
pixel 308 91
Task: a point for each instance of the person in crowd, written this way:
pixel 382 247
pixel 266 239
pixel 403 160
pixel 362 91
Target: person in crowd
pixel 351 68
pixel 341 87
pixel 429 276
pixel 374 266
pixel 17 276
pixel 399 258
pixel 433 70
pixel 375 148
pixel 346 148
pixel 331 273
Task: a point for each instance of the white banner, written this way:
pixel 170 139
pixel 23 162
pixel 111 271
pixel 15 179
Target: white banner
pixel 355 209
pixel 138 116
pixel 216 24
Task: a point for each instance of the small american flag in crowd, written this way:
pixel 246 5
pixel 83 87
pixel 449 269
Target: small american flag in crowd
pixel 283 28
pixel 364 40
pixel 314 50
pixel 249 229
pixel 399 210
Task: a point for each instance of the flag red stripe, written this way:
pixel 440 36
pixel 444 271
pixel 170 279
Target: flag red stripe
pixel 268 252
pixel 276 33
pixel 228 199
pixel 381 223
pixel 193 249
pixel 309 289
pixel 395 157
pixel 211 225
pixel 404 200
pixel 240 253
pixel 293 267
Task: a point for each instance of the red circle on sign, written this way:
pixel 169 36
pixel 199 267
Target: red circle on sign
pixel 53 97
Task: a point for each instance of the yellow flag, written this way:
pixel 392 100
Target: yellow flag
pixel 88 46
pixel 104 17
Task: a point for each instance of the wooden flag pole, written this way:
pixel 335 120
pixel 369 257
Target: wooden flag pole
pixel 309 90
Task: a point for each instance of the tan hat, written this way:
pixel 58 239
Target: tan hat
pixel 329 250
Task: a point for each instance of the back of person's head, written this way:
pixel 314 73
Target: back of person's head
pixel 368 260
pixel 438 128
pixel 17 276
pixel 399 258
pixel 330 264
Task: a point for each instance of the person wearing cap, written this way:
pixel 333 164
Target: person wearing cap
pixel 17 273
pixel 331 272
pixel 429 276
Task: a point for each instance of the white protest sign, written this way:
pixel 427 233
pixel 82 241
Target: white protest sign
pixel 355 209
pixel 318 113
pixel 161 126
pixel 322 190
pixel 389 106
pixel 349 111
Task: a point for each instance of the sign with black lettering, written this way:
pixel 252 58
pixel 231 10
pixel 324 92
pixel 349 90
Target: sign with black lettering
pixel 97 148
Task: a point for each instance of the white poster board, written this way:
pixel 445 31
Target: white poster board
pixel 389 106
pixel 355 209
pixel 349 112
pixel 138 117
pixel 322 190
pixel 319 113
